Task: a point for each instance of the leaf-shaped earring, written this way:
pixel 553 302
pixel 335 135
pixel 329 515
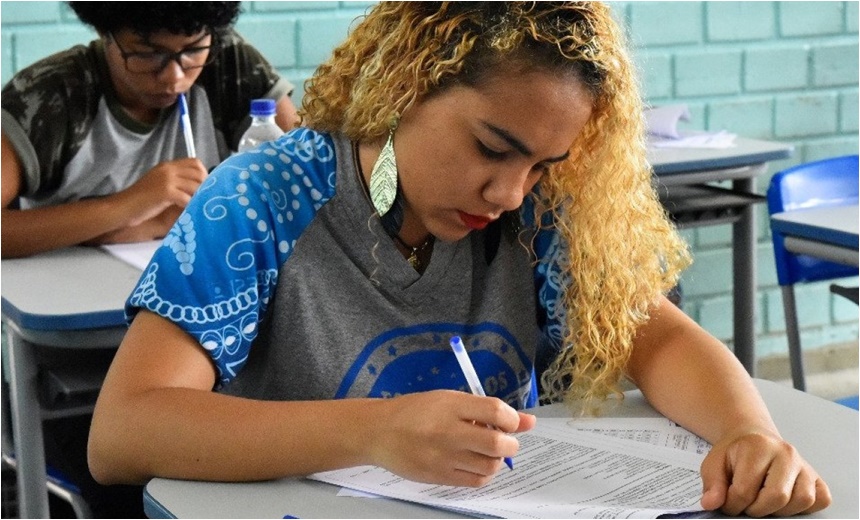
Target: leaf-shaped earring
pixel 383 178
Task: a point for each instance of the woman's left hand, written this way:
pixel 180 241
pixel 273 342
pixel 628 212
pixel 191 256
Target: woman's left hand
pixel 758 473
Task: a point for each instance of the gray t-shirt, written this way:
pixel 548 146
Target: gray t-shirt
pixel 296 292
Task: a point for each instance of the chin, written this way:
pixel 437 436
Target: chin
pixel 451 235
pixel 161 101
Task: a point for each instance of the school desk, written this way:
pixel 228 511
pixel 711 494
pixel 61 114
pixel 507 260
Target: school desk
pixel 686 180
pixel 72 299
pixel 825 433
pixel 827 233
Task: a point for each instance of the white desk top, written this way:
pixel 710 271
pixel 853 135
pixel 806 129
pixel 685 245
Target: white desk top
pixel 837 225
pixel 667 161
pixel 825 433
pixel 67 289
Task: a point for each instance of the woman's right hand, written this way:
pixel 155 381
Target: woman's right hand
pixel 441 437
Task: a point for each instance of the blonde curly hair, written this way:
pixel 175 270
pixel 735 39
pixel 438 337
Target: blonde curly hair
pixel 622 251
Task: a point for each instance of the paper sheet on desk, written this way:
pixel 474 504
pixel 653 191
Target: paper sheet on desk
pixel 137 254
pixel 560 471
pixel 663 121
pixel 657 431
pixel 721 139
pixel 662 124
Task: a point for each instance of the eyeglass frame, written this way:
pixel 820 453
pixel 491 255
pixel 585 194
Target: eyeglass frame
pixel 214 48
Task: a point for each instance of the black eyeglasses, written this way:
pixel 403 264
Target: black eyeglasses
pixel 155 61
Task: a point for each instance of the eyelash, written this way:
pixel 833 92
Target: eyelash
pixel 493 155
pixel 489 153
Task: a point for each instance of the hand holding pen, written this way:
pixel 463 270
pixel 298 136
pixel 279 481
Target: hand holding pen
pixel 471 376
pixel 437 437
pixel 167 187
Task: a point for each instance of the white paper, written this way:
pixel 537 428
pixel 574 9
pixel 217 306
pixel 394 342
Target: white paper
pixel 559 472
pixel 658 431
pixel 721 139
pixel 663 121
pixel 138 254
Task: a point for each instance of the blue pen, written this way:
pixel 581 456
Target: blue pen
pixel 185 123
pixel 471 376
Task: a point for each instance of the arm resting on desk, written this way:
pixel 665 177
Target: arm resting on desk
pixel 690 377
pixel 144 211
pixel 157 416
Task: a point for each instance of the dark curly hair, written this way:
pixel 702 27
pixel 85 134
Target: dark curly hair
pixel 145 18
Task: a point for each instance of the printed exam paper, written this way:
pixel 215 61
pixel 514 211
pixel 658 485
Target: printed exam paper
pixel 561 471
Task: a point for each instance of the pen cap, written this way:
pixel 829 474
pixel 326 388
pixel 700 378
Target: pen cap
pixel 457 345
pixel 263 107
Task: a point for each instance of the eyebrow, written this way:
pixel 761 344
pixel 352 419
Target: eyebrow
pixel 519 145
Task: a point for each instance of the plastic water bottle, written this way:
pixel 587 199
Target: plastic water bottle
pixel 263 127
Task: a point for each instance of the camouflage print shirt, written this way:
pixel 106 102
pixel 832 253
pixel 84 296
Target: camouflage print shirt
pixel 74 140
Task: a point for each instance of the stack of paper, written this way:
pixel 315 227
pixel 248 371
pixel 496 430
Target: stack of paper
pixel 563 470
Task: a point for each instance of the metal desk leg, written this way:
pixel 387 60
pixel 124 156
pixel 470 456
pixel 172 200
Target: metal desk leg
pixel 744 275
pixel 27 427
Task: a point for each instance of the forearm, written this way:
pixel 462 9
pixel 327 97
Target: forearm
pixel 197 434
pixel 692 378
pixel 27 232
pixel 152 229
pixel 157 415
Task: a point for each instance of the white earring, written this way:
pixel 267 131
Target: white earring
pixel 383 178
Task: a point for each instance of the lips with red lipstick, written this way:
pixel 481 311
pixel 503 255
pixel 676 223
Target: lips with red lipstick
pixel 474 221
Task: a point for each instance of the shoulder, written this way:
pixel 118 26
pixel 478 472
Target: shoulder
pixel 237 56
pixel 238 74
pixel 48 109
pixel 255 205
pixel 70 74
pixel 302 163
pixel 60 88
pixel 231 41
pixel 298 148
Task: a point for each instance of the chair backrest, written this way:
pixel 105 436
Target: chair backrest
pixel 829 182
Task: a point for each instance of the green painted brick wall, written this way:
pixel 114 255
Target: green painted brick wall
pixel 785 71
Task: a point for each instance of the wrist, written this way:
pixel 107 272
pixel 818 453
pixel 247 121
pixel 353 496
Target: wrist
pixel 121 208
pixel 376 418
pixel 742 429
pixel 357 433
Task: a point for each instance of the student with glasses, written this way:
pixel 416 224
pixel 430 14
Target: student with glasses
pixel 92 148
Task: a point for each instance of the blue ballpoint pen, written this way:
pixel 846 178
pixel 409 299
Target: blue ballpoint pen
pixel 471 376
pixel 185 123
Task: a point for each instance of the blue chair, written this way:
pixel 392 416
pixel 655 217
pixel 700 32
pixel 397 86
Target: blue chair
pixel 829 182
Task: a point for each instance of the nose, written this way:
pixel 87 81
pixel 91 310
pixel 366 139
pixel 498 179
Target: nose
pixel 507 189
pixel 172 72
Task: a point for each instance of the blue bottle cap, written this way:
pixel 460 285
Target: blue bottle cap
pixel 263 107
